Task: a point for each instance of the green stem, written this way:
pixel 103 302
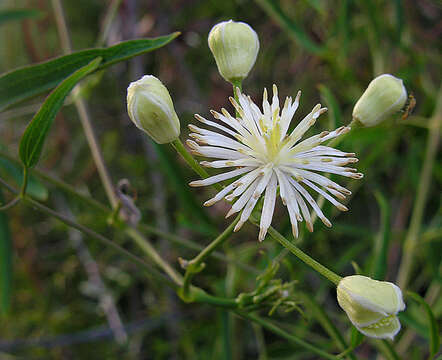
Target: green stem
pixel 82 110
pixel 411 239
pixel 96 205
pixel 11 204
pixel 179 147
pixel 147 247
pixel 91 233
pixel 291 338
pixel 107 22
pixel 327 325
pixel 195 265
pixel 327 273
pixel 25 181
pixel 21 195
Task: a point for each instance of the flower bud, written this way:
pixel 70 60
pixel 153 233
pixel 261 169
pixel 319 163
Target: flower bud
pixel 150 107
pixel 234 46
pixel 384 96
pixel 371 305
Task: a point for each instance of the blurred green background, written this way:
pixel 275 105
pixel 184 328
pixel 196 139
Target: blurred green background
pixel 73 299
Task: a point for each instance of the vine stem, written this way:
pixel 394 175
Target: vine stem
pixel 198 295
pixel 91 233
pixel 301 255
pixel 410 243
pixel 277 330
pixel 98 206
pixel 188 158
pixel 157 259
pixel 197 263
pixel 82 110
pixel 20 195
pixel 96 151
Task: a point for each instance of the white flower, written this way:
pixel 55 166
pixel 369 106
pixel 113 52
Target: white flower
pixel 266 155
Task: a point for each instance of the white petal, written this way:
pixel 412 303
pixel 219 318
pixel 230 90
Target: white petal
pixel 243 183
pixel 325 195
pixel 220 177
pixel 321 150
pixel 344 171
pixel 304 125
pixel 268 207
pixel 213 151
pixel 241 202
pixel 304 209
pixel 323 181
pixel 287 115
pixel 219 195
pixel 312 202
pixel 214 124
pixel 230 163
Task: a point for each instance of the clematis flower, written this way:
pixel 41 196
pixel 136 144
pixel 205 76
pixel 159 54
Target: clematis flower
pixel 265 154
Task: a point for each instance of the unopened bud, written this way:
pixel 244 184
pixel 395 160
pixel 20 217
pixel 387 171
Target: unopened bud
pixel 235 46
pixel 385 95
pixel 151 109
pixel 371 305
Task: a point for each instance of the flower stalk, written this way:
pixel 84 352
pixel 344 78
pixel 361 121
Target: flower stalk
pixel 197 264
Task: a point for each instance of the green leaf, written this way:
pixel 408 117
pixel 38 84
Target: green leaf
pixel 35 188
pixel 432 324
pixel 380 250
pixel 17 14
pixel 387 349
pixel 26 82
pixel 356 338
pixel 321 315
pixel 333 108
pixel 298 34
pixel 5 261
pixel 33 139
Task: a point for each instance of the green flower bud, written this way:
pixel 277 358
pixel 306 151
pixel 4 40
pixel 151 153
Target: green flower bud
pixel 150 107
pixel 371 305
pixel 234 46
pixel 384 96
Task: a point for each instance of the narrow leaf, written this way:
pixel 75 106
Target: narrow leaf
pixel 387 349
pixel 432 324
pixel 332 104
pixel 380 250
pixel 35 134
pixel 298 34
pixel 17 14
pixel 23 83
pixel 35 188
pixel 356 337
pixel 5 261
pixel 326 323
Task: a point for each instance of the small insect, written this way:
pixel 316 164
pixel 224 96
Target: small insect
pixel 411 103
